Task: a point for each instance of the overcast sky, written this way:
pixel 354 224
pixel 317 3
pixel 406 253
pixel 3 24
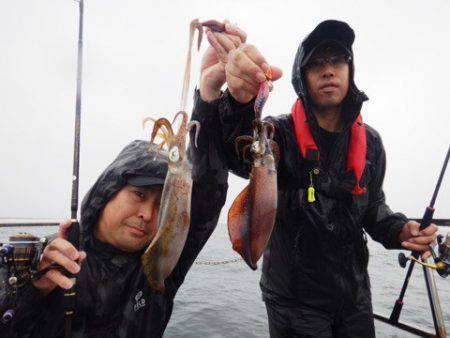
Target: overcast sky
pixel 133 67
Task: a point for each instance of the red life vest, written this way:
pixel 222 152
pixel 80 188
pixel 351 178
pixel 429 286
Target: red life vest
pixel 356 157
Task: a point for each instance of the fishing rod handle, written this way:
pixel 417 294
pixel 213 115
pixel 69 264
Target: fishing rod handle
pixel 426 221
pixel 70 299
pixel 73 234
pixel 427 218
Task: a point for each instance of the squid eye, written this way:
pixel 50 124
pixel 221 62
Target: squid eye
pixel 257 147
pixel 174 154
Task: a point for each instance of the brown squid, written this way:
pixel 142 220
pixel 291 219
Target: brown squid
pixel 252 215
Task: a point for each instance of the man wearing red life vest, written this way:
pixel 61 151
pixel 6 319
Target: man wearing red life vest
pixel 330 176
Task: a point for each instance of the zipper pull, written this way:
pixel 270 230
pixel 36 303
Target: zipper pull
pixel 311 197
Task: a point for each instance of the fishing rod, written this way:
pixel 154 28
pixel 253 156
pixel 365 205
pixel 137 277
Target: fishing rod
pixel 76 150
pixel 19 259
pixel 73 232
pixel 442 266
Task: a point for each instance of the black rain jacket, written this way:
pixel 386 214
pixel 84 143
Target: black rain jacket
pixel 317 254
pixel 113 297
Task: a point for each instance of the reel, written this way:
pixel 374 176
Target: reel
pixel 19 259
pixel 441 262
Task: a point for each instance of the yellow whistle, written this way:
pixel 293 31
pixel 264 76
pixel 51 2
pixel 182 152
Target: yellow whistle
pixel 311 197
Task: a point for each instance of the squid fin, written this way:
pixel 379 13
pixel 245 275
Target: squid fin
pixel 149 261
pixel 239 226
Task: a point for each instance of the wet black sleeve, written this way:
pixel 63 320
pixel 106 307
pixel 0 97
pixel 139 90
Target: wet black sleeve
pixel 30 314
pixel 210 176
pixel 235 120
pixel 379 221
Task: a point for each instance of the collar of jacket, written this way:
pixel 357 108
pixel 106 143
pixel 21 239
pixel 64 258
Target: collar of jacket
pixel 110 254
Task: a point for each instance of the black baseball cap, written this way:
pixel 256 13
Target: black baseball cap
pixel 144 180
pixel 329 32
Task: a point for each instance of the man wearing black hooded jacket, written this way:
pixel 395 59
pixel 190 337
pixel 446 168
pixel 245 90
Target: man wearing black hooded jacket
pixel 330 174
pixel 118 221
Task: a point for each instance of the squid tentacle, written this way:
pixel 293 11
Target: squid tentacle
pixel 196 25
pixel 275 150
pixel 158 124
pixel 257 124
pixel 197 126
pixel 245 150
pixel 214 25
pixel 269 128
pixel 147 119
pixel 242 138
pixel 184 118
pixel 151 119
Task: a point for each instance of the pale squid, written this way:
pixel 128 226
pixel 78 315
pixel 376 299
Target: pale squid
pixel 164 251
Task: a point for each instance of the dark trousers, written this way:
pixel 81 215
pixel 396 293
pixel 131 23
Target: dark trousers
pixel 305 322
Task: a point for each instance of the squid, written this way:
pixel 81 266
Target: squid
pixel 251 217
pixel 164 251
